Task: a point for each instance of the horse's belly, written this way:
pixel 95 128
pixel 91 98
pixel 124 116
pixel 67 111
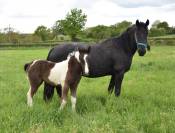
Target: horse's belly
pixel 99 71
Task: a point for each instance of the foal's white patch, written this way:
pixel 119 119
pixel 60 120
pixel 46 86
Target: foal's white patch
pixel 29 98
pixel 58 72
pixel 73 101
pixel 33 62
pixel 86 65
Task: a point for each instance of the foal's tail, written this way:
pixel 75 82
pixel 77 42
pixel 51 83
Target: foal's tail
pixel 26 66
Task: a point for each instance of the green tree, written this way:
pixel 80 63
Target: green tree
pixel 73 24
pixel 9 35
pixel 163 25
pixel 155 23
pixel 43 32
pixel 119 27
pixel 98 32
pixel 160 28
pixel 157 32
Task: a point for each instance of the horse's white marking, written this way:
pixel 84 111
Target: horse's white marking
pixel 86 65
pixel 63 103
pixel 73 101
pixel 29 98
pixel 77 55
pixel 58 73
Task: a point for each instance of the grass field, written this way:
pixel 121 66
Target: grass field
pixel 146 104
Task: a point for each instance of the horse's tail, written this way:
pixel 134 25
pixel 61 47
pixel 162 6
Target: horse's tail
pixel 26 66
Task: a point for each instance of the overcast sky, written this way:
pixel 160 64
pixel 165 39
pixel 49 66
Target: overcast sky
pixel 26 15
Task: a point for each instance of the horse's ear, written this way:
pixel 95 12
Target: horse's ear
pixel 147 22
pixel 137 22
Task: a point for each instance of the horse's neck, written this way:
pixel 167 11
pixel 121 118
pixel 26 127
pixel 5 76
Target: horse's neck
pixel 128 42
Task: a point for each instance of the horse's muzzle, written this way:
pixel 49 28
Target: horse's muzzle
pixel 141 51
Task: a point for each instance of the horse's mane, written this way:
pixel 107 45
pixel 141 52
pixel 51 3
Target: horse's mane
pixel 127 31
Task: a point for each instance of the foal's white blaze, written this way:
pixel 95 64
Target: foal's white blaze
pixel 58 73
pixel 86 65
pixel 29 98
pixel 73 101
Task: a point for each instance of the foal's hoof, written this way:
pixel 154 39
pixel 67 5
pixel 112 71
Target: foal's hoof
pixel 73 110
pixel 60 109
pixel 29 105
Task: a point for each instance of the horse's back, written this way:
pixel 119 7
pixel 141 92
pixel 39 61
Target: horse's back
pixel 60 52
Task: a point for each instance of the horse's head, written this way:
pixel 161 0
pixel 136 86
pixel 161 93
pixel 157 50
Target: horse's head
pixel 141 34
pixel 81 55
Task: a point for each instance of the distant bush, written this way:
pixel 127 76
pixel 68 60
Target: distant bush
pixel 157 32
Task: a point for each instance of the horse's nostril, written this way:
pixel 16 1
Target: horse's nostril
pixel 141 52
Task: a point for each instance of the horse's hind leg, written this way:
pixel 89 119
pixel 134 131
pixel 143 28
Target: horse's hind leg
pixel 59 90
pixel 118 81
pixel 111 84
pixel 48 92
pixel 34 84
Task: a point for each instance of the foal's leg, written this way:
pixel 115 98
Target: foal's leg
pixel 29 97
pixel 64 95
pixel 34 84
pixel 73 89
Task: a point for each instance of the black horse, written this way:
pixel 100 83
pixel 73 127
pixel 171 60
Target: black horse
pixel 111 57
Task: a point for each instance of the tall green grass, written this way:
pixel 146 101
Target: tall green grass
pixel 146 104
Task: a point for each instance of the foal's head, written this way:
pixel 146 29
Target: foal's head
pixel 141 33
pixel 81 55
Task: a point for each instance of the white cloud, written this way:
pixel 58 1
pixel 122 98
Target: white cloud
pixel 26 15
pixel 142 3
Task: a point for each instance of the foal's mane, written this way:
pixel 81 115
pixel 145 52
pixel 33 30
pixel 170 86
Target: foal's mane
pixel 71 54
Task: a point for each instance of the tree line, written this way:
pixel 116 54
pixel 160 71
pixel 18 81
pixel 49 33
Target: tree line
pixel 72 28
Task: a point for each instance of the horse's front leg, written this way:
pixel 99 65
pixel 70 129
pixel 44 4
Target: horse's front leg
pixel 111 84
pixel 118 81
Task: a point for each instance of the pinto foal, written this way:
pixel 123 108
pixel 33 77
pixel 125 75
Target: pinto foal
pixel 66 73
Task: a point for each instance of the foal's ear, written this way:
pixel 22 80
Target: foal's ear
pixel 137 22
pixel 147 22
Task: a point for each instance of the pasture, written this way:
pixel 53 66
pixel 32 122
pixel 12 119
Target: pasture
pixel 146 104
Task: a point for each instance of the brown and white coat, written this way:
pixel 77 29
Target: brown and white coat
pixel 66 73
